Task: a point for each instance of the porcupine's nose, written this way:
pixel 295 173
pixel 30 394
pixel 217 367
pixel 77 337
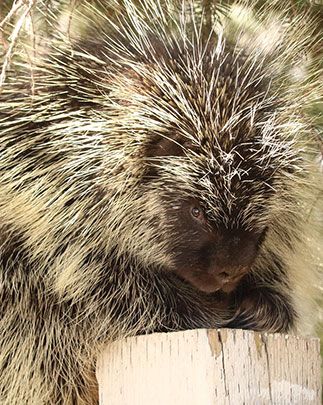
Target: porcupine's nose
pixel 224 278
pixel 233 255
pixel 224 274
pixel 229 267
pixel 227 277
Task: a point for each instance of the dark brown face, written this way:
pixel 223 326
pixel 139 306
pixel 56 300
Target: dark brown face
pixel 207 257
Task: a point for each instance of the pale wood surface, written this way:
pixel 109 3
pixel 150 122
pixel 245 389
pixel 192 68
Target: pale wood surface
pixel 210 367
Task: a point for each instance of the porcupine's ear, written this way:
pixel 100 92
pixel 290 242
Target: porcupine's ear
pixel 161 148
pixel 172 144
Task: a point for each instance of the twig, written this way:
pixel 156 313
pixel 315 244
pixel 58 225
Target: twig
pixel 14 36
pixel 14 8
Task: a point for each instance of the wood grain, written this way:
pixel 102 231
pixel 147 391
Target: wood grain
pixel 210 367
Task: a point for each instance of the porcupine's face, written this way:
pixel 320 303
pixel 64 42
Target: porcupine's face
pixel 209 257
pixel 205 251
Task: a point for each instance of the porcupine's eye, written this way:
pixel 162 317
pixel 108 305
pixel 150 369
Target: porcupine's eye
pixel 197 213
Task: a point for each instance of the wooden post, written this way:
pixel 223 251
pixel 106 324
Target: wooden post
pixel 210 367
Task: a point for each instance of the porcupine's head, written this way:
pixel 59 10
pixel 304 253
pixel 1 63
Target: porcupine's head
pixel 217 147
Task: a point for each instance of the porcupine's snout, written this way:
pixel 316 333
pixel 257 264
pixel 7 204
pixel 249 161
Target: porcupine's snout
pixel 223 261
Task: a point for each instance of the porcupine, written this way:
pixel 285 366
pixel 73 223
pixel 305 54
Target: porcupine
pixel 155 175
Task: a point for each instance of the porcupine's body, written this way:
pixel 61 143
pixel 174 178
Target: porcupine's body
pixel 153 178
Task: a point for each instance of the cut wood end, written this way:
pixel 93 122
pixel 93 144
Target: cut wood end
pixel 208 366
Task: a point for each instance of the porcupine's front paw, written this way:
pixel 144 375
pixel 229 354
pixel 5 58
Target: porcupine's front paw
pixel 262 309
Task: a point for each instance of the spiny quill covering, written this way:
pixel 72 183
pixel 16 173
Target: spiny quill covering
pixel 155 175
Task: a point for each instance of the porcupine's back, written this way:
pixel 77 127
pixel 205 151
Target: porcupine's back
pixel 105 131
